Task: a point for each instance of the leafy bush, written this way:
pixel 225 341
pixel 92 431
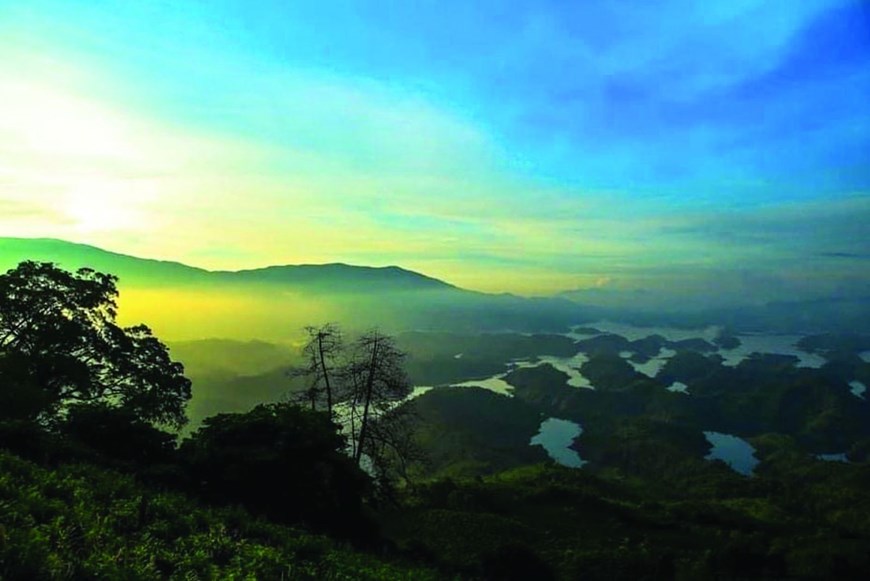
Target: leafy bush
pixel 83 522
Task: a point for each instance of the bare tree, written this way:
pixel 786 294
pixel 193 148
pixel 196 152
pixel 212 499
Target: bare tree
pixel 363 387
pixel 377 383
pixel 392 448
pixel 321 354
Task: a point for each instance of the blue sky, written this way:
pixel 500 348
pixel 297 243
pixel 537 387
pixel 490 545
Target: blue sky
pixel 529 147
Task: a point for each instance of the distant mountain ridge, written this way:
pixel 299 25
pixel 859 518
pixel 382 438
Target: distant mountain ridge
pixel 135 270
pixel 185 303
pixel 335 273
pixel 262 299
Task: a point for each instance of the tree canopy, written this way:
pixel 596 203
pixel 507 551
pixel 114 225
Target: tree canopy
pixel 60 345
pixel 280 460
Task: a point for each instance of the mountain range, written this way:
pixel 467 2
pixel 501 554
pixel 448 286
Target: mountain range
pixel 184 302
pixel 273 302
pixel 132 270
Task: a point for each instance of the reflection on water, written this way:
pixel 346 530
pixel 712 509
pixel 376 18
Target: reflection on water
pixel 555 436
pixel 734 451
pixel 858 388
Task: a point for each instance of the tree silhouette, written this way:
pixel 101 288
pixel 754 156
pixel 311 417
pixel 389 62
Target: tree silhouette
pixel 376 382
pixel 282 461
pixel 363 386
pixel 321 353
pixel 60 345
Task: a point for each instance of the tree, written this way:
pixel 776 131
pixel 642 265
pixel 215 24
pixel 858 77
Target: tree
pixel 117 436
pixel 363 386
pixel 321 353
pixel 392 449
pixel 60 345
pixel 282 461
pixel 376 383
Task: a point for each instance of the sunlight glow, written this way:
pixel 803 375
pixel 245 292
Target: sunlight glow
pixel 92 207
pixel 60 124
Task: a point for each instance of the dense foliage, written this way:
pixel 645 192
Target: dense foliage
pixel 799 519
pixel 281 461
pixel 60 344
pixel 83 522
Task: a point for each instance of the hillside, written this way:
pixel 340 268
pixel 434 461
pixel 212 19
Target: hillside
pixel 132 270
pixel 118 528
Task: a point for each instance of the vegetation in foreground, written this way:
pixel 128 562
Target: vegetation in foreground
pixel 80 521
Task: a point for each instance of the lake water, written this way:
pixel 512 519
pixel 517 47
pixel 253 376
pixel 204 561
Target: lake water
pixel 652 367
pixel 858 388
pixel 749 343
pixel 736 452
pixel 496 383
pixel 633 333
pixel 776 344
pixel 833 457
pixel 420 390
pixel 567 365
pixel 556 437
pixel 678 387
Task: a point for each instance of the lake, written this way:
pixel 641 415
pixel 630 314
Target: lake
pixel 736 452
pixel 556 437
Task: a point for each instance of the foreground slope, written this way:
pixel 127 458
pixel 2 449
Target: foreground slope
pixel 84 522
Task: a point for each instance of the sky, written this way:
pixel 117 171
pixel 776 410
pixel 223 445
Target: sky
pixel 670 148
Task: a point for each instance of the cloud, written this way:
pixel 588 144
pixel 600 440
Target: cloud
pixel 533 148
pixel 845 255
pixel 21 210
pixel 795 229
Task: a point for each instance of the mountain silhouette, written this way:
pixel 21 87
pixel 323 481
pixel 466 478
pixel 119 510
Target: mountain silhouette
pixel 264 303
pixel 133 270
